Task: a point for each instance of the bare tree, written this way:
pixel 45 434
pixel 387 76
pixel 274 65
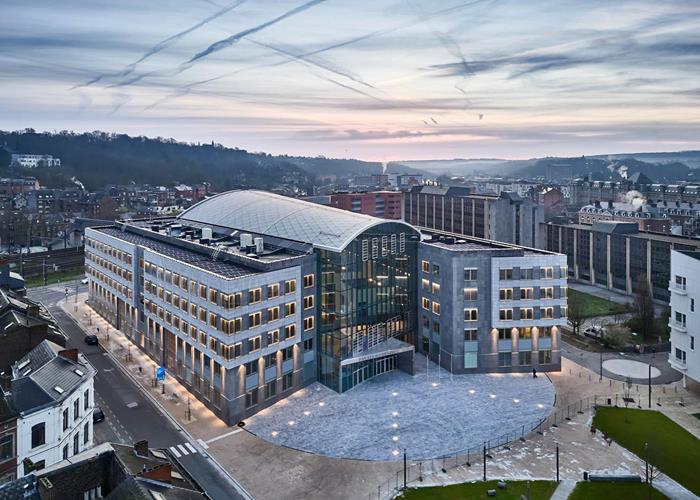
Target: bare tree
pixel 575 315
pixel 644 306
pixel 651 459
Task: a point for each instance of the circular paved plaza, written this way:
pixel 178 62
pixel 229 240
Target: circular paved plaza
pixel 429 414
pixel 630 368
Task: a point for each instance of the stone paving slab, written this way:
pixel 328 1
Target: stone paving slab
pixel 430 414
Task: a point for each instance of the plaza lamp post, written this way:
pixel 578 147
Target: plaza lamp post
pixel 601 366
pixel 653 354
pixel 404 469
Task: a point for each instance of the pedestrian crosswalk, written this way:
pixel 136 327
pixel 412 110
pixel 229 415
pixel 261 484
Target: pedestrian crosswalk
pixel 180 450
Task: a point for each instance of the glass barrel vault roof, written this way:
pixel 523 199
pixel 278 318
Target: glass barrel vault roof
pixel 271 214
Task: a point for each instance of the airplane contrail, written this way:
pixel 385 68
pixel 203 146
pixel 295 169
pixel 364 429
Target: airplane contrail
pixel 326 66
pixel 227 42
pixel 160 46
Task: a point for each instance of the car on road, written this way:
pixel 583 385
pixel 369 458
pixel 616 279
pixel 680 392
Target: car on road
pixel 596 332
pixel 97 415
pixel 91 340
pixel 84 281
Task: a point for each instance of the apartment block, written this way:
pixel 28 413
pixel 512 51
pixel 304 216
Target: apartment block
pixel 685 328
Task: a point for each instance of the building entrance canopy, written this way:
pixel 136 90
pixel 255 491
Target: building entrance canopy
pixel 386 348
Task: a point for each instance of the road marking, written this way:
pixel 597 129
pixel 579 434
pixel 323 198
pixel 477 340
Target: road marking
pixel 224 436
pixel 174 451
pixel 190 447
pixel 133 404
pixel 182 449
pixel 203 443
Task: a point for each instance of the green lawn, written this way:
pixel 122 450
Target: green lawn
pixel 55 277
pixel 595 306
pixel 671 447
pixel 539 490
pixel 614 491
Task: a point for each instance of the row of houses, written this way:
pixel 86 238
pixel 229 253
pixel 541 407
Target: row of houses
pixel 47 400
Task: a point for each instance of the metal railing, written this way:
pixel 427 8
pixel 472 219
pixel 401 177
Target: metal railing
pixel 474 457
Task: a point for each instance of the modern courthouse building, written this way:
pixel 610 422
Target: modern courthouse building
pixel 506 217
pixel 685 328
pixel 248 296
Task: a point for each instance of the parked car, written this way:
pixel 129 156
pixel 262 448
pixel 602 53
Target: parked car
pixel 97 415
pixel 84 281
pixel 596 332
pixel 91 340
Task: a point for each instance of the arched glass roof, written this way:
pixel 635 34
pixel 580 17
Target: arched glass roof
pixel 270 214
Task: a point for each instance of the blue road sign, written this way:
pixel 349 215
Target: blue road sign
pixel 160 373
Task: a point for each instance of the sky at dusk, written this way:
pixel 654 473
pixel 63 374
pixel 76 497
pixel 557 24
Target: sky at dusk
pixel 376 80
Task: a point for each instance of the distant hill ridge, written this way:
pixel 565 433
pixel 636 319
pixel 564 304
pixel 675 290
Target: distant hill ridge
pixel 100 158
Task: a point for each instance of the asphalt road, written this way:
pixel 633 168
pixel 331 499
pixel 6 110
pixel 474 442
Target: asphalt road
pixel 130 415
pixel 591 360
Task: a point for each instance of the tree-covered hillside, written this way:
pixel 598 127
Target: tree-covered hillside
pixel 100 158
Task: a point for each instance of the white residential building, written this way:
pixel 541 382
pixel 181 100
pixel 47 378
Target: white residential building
pixel 685 328
pixel 52 388
pixel 33 161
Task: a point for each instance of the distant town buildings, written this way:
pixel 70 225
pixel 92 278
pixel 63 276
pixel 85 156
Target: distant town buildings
pixel 382 204
pixel 34 161
pixel 507 217
pixel 585 192
pixel 685 328
pixel 680 218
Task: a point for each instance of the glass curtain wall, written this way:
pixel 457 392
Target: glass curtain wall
pixel 367 294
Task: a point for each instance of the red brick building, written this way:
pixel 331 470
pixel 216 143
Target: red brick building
pixel 384 204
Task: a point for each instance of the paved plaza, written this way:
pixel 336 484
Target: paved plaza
pixel 630 368
pixel 430 414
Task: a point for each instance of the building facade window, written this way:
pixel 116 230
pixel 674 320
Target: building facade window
pixel 505 294
pixel 251 398
pixel 38 435
pixel 471 314
pixel 505 314
pixel 505 274
pixel 504 359
pixel 471 294
pixel 470 274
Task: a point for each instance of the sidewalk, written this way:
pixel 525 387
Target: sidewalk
pixel 171 395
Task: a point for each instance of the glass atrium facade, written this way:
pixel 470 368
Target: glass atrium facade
pixel 367 296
